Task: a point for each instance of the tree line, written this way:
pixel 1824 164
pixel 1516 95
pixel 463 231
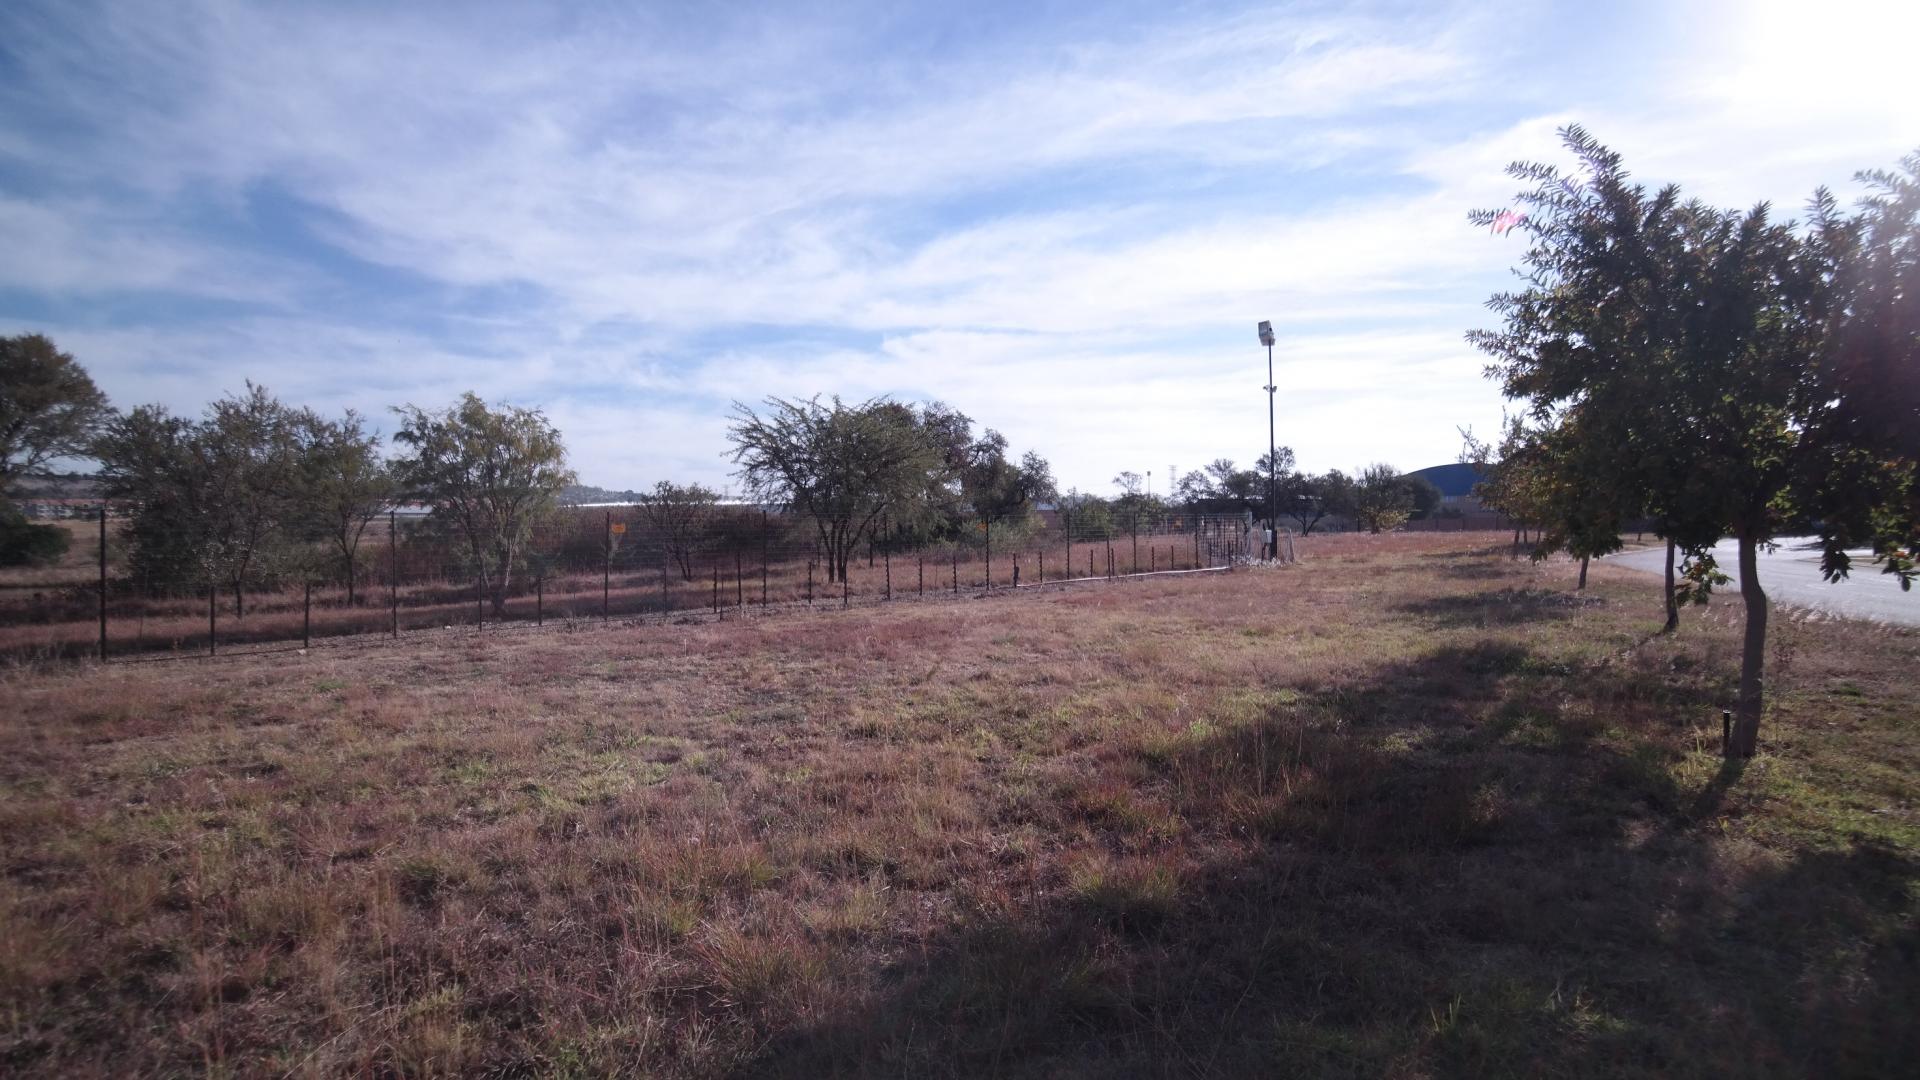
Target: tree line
pixel 1713 372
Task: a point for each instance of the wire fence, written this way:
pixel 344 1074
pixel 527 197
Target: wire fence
pixel 408 574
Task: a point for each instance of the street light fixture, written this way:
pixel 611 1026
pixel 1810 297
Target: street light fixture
pixel 1273 486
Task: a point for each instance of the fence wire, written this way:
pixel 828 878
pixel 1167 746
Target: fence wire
pixel 408 574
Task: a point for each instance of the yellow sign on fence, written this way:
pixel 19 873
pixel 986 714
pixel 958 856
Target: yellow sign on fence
pixel 619 527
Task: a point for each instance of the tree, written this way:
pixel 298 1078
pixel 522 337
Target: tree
pixel 22 543
pixel 1712 337
pixel 681 516
pixel 1086 517
pixel 209 499
pixel 845 467
pixel 1425 498
pixel 998 490
pixel 49 408
pixel 341 484
pixel 489 475
pixel 1862 475
pixel 1309 499
pixel 1382 500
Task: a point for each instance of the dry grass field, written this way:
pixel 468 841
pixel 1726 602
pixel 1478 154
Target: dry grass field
pixel 1407 809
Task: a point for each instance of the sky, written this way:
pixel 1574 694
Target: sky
pixel 1064 219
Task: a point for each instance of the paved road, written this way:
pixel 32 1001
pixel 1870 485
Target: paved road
pixel 1791 576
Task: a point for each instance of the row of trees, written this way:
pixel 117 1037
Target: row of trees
pixel 883 470
pixel 255 488
pixel 1378 498
pixel 1717 373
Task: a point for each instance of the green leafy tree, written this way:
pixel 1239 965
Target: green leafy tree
pixel 1311 498
pixel 210 500
pixel 49 408
pixel 681 517
pixel 490 476
pixel 1000 491
pixel 1710 337
pixel 849 468
pixel 341 485
pixel 1382 499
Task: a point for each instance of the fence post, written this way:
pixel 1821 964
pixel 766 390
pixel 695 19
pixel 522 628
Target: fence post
pixel 716 587
pixel 887 557
pixel 989 531
pixel 540 600
pixel 739 581
pixel 306 616
pixel 956 570
pixel 666 599
pixel 921 559
pixel 809 582
pixel 103 582
pixel 763 560
pixel 1043 566
pixel 606 571
pixel 480 600
pixel 846 589
pixel 393 567
pixel 211 629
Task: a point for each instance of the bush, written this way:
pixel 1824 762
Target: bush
pixel 22 543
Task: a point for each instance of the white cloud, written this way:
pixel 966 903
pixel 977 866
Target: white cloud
pixel 1069 239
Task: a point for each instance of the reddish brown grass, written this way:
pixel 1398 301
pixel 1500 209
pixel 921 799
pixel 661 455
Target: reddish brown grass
pixel 1401 810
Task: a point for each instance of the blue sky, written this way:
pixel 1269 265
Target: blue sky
pixel 1065 220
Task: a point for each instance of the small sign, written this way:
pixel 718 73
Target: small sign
pixel 619 527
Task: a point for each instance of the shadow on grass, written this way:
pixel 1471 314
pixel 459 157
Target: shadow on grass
pixel 1497 607
pixel 1433 870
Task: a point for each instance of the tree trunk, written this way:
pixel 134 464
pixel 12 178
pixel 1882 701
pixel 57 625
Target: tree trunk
pixel 1753 655
pixel 1673 605
pixel 499 584
pixel 349 581
pixel 1583 573
pixel 239 601
pixel 1516 543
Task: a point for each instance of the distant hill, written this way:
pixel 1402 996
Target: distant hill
pixel 1455 480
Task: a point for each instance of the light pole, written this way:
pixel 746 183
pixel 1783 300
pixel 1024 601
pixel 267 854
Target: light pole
pixel 1273 487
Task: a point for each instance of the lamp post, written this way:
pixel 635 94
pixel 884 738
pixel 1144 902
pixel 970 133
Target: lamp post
pixel 1273 487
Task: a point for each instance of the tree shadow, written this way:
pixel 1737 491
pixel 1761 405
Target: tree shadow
pixel 1429 870
pixel 1496 607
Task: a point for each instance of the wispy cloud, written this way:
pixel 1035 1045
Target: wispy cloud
pixel 1065 224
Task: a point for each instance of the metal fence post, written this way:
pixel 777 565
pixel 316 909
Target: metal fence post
pixel 763 560
pixel 540 600
pixel 989 531
pixel 921 559
pixel 393 567
pixel 1043 566
pixel 103 582
pixel 846 589
pixel 887 558
pixel 480 600
pixel 809 582
pixel 306 616
pixel 666 599
pixel 956 570
pixel 211 628
pixel 716 587
pixel 606 571
pixel 739 581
